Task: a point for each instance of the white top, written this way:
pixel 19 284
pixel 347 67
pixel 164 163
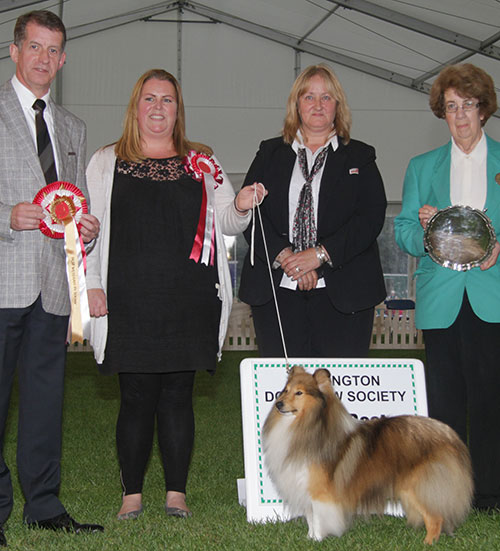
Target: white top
pixel 27 99
pixel 468 175
pixel 296 184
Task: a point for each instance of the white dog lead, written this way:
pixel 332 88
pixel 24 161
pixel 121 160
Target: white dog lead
pixel 256 203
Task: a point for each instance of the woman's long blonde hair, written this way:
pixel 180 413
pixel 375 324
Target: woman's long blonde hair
pixel 343 120
pixel 128 147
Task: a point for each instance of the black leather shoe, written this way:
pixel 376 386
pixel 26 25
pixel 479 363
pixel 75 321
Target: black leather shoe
pixel 66 523
pixel 3 539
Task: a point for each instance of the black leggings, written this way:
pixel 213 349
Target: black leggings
pixel 168 397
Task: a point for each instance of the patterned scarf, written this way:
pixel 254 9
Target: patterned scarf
pixel 304 223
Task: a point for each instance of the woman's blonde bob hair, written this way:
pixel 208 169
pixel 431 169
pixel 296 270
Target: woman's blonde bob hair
pixel 343 120
pixel 468 81
pixel 129 148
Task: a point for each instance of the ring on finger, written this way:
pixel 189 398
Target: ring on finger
pixel 297 269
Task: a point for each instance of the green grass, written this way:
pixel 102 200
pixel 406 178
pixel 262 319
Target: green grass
pixel 92 493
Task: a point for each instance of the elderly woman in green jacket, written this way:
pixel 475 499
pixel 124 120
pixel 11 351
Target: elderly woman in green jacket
pixel 459 311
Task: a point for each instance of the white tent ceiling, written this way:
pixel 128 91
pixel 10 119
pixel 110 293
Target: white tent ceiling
pixel 236 60
pixel 404 42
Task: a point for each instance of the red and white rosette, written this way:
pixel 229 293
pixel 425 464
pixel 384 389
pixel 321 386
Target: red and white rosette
pixel 204 169
pixel 63 204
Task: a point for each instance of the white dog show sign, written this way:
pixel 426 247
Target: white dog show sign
pixel 367 387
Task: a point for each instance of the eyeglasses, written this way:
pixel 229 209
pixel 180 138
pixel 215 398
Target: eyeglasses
pixel 468 105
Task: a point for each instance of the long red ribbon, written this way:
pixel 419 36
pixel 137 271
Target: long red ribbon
pixel 200 232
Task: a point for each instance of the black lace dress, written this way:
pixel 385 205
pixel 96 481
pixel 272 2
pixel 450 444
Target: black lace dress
pixel 163 307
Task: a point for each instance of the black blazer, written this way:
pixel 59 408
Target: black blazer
pixel 351 214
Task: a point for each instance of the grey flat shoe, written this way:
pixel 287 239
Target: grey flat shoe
pixel 177 512
pixel 130 515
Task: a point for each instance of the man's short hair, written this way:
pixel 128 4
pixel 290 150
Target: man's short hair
pixel 44 18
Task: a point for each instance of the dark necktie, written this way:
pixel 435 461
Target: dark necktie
pixel 304 224
pixel 45 152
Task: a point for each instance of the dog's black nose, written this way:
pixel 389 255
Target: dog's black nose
pixel 279 405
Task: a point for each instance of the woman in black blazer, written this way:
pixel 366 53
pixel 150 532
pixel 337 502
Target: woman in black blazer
pixel 325 208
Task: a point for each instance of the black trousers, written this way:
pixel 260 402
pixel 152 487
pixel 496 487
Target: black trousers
pixel 34 341
pixel 312 327
pixel 166 398
pixel 463 385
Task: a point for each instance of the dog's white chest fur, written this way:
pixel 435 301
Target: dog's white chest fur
pixel 291 478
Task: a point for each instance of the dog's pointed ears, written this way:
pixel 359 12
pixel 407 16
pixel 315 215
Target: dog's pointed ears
pixel 323 380
pixel 296 370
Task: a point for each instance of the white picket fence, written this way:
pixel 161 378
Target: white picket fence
pixel 391 329
pixel 395 329
pixel 240 331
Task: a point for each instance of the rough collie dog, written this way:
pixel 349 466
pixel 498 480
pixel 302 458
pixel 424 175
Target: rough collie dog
pixel 328 466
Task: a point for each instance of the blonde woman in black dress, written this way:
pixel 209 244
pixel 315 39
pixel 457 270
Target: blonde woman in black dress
pixel 159 312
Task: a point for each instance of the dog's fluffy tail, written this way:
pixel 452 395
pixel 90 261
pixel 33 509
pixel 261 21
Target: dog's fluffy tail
pixel 439 492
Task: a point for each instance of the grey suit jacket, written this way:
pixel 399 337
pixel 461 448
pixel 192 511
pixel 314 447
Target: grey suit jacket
pixel 31 263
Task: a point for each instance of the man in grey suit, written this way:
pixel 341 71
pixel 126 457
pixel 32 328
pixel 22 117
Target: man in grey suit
pixel 34 296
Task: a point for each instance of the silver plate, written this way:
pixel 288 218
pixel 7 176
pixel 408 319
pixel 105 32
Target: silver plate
pixel 459 238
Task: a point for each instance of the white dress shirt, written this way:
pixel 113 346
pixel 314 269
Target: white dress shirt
pixel 27 99
pixel 468 175
pixel 296 184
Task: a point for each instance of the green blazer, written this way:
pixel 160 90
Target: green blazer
pixel 440 290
